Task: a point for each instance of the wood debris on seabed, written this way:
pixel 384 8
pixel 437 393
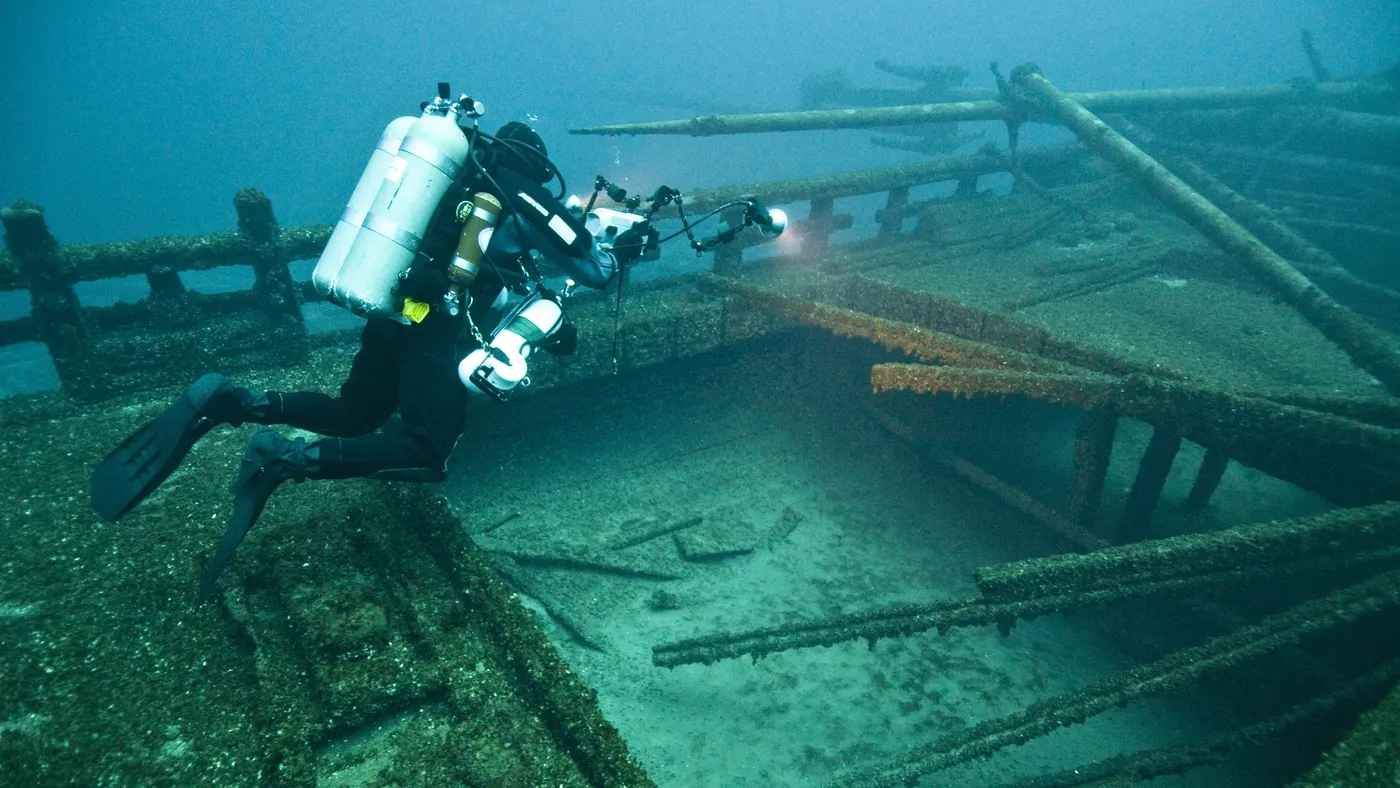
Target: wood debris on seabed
pixel 584 557
pixel 1259 553
pixel 568 579
pixel 639 530
pixel 562 597
pixel 727 533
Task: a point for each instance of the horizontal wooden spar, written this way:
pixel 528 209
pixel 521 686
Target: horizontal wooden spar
pixel 1165 100
pixel 879 179
pixel 1343 532
pixel 84 262
pixel 922 344
pixel 1346 461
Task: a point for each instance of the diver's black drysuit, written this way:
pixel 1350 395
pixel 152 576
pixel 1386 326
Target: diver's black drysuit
pixel 413 369
pixel 404 367
pixel 409 369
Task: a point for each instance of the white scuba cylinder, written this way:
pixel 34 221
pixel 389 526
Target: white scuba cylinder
pixel 429 159
pixel 496 370
pixel 333 256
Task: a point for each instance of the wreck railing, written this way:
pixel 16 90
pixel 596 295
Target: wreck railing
pixel 72 332
pixel 279 337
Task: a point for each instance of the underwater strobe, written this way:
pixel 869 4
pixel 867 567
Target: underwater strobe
pixel 771 222
pixel 499 368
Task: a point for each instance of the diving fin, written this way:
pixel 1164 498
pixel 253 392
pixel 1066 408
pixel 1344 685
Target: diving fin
pixel 269 460
pixel 145 459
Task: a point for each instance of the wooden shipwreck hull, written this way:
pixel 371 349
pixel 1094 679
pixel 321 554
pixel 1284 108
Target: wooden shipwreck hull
pixel 1233 319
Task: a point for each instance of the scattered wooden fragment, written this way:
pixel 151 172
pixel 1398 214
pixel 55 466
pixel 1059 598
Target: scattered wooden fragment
pixel 552 596
pixel 716 540
pixel 488 529
pixel 585 558
pixel 787 523
pixel 644 529
pixel 1100 279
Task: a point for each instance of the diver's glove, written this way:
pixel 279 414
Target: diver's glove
pixel 632 243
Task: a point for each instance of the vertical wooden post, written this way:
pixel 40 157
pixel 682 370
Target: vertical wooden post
pixel 1212 470
pixel 272 284
pixel 53 304
pixel 967 186
pixel 729 258
pixel 164 283
pixel 892 217
pixel 273 287
pixel 1147 486
pixel 817 227
pixel 1093 447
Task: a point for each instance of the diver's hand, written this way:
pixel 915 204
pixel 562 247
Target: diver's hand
pixel 630 244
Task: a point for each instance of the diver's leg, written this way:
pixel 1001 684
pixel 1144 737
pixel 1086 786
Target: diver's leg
pixel 366 400
pixel 269 460
pixel 432 402
pixel 432 405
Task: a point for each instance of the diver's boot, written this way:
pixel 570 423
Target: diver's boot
pixel 235 405
pixel 145 459
pixel 269 460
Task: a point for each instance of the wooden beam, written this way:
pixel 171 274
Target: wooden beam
pixel 1168 100
pixel 1368 348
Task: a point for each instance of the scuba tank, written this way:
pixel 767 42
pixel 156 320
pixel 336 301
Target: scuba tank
pixel 333 256
pixel 478 216
pixel 411 183
pixel 499 367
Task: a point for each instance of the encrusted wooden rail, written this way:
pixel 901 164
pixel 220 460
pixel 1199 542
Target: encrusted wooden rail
pixel 174 333
pixel 100 351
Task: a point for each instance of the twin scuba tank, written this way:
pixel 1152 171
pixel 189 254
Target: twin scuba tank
pixel 378 237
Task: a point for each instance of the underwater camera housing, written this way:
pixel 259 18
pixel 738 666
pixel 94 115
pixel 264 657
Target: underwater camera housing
pixel 607 223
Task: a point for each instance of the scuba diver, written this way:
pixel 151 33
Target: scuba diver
pixel 440 230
